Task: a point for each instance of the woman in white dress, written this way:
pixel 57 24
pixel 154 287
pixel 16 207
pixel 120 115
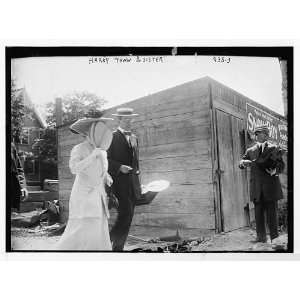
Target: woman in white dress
pixel 87 227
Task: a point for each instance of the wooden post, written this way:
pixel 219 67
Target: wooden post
pixel 58 115
pixel 58 111
pixel 283 67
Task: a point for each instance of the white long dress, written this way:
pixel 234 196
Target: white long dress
pixel 87 227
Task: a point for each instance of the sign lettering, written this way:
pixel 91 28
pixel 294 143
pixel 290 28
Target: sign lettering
pixel 277 127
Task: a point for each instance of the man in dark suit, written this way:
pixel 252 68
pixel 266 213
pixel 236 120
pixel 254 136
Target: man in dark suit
pixel 18 189
pixel 123 166
pixel 265 186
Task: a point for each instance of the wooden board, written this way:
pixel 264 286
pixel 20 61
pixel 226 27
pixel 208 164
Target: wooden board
pixel 190 162
pixel 187 177
pixel 184 177
pixel 180 149
pixel 232 202
pixel 165 204
pixel 229 108
pixel 148 232
pixel 171 114
pixel 152 136
pixel 66 184
pixel 203 220
pixel 241 188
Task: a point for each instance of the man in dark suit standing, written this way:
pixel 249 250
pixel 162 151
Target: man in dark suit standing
pixel 18 189
pixel 265 186
pixel 123 166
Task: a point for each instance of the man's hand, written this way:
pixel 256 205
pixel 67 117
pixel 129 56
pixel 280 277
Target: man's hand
pixel 245 163
pixel 109 180
pixel 271 171
pixel 24 194
pixel 125 169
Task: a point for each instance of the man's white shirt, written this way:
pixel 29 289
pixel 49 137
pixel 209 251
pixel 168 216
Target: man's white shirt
pixel 262 145
pixel 126 136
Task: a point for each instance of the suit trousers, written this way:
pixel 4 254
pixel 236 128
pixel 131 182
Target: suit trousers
pixel 266 211
pixel 120 229
pixel 15 192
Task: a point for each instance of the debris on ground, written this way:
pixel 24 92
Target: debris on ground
pixel 25 220
pixel 170 247
pixel 50 215
pixel 43 228
pixel 237 240
pixel 173 243
pixel 59 230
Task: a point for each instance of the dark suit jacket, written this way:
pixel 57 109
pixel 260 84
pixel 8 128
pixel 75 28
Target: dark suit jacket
pixel 121 153
pixel 260 180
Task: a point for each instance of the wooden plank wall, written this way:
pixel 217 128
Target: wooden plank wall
pixel 175 145
pixel 173 127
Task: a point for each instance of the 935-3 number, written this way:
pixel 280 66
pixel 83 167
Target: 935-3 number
pixel 221 59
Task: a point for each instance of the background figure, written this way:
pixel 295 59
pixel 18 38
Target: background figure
pixel 123 166
pixel 87 227
pixel 265 186
pixel 18 189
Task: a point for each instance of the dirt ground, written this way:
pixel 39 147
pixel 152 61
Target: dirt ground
pixel 32 239
pixel 238 240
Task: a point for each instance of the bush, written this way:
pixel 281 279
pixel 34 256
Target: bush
pixel 283 215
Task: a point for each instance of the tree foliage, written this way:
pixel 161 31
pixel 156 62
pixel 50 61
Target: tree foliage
pixel 47 145
pixel 76 105
pixel 48 154
pixel 17 112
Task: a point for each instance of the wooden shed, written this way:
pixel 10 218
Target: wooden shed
pixel 192 135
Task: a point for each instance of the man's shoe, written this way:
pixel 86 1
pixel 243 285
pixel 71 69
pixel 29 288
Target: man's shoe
pixel 278 244
pixel 259 240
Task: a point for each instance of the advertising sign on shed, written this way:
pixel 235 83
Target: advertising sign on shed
pixel 277 127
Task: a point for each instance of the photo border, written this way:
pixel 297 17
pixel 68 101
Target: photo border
pixel 284 52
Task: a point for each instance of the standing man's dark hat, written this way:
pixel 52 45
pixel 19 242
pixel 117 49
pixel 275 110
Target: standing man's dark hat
pixel 262 128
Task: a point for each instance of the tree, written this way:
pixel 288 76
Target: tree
pixel 47 154
pixel 48 150
pixel 17 112
pixel 76 105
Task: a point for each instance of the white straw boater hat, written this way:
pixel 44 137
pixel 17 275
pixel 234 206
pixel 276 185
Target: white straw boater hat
pixel 83 125
pixel 125 112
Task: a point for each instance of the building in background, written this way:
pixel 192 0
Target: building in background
pixel 32 131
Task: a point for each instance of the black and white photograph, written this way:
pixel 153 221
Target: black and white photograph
pixel 149 149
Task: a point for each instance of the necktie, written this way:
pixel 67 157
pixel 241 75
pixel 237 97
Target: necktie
pixel 128 135
pixel 260 149
pixel 263 146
